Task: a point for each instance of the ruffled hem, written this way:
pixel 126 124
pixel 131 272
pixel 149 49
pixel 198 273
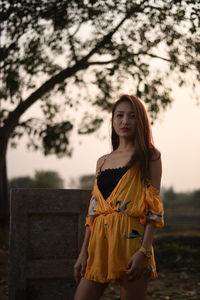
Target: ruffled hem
pixel 115 279
pixel 154 275
pixel 153 189
pixel 102 280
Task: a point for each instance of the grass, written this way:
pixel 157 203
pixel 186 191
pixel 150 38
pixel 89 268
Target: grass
pixel 178 252
pixel 185 233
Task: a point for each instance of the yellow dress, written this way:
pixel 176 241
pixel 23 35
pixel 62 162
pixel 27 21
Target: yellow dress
pixel 117 225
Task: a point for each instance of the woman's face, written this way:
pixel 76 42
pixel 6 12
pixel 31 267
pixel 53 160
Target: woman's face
pixel 124 121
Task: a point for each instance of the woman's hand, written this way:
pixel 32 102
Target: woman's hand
pixel 80 267
pixel 136 266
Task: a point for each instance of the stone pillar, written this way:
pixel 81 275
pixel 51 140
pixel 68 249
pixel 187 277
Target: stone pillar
pixel 46 233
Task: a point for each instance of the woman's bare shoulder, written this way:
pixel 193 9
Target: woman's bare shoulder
pixel 100 160
pixel 156 154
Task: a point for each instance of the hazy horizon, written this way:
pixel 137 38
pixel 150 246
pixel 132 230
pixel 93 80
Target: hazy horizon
pixel 176 135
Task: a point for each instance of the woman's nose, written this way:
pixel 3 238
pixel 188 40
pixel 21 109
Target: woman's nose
pixel 125 120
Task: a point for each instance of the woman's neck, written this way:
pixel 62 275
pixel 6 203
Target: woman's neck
pixel 125 146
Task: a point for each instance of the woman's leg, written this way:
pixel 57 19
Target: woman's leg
pixel 88 289
pixel 133 289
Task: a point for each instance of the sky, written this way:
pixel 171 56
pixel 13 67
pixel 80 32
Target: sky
pixel 176 134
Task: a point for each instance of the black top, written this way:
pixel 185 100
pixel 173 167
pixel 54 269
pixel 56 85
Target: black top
pixel 108 179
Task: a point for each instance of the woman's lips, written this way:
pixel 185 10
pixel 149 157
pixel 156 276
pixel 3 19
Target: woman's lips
pixel 125 129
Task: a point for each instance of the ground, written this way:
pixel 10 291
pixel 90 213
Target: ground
pixel 3 274
pixel 169 286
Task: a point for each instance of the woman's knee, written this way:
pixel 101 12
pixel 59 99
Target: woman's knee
pixel 88 289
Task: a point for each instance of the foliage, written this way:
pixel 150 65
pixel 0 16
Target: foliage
pixel 196 198
pixel 48 179
pixel 178 253
pixel 86 182
pixel 21 182
pixel 172 198
pixel 41 179
pixel 77 54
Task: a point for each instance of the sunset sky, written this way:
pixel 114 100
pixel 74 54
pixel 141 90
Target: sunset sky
pixel 176 135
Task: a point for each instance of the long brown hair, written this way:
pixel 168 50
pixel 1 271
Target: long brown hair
pixel 142 138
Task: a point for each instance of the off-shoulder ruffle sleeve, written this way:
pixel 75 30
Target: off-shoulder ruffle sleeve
pixel 91 211
pixel 154 210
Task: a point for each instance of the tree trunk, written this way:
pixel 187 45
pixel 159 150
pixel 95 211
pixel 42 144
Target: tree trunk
pixel 4 193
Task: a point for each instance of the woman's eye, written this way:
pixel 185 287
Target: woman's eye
pixel 119 115
pixel 132 115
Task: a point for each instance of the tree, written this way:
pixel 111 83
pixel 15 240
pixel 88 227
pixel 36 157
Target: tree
pixel 41 179
pixel 196 198
pixel 47 179
pixel 86 182
pixel 62 54
pixel 21 182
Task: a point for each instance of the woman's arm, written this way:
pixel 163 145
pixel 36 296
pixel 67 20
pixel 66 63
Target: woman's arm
pixel 138 260
pixel 81 263
pixel 155 170
pixel 85 241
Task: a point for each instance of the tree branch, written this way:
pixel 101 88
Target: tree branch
pixel 76 30
pixel 13 118
pixel 157 8
pixel 108 37
pixel 152 55
pixel 72 46
pixel 102 62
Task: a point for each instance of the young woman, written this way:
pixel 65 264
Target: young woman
pixel 124 210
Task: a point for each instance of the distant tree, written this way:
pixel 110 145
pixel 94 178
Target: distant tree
pixel 173 198
pixel 196 198
pixel 47 179
pixel 86 182
pixel 21 182
pixel 66 54
pixel 41 179
pixel 169 196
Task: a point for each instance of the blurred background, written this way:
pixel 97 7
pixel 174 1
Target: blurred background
pixel 63 64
